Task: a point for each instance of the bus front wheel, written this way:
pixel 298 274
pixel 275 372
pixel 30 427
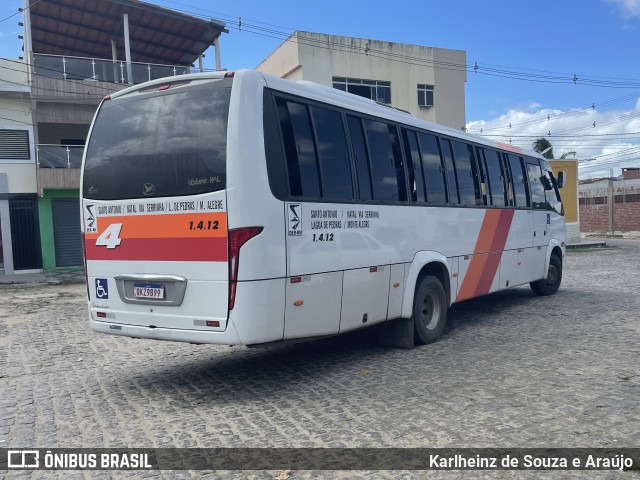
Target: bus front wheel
pixel 429 310
pixel 551 284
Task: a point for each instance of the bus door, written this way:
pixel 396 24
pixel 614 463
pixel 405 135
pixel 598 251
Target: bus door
pixel 555 210
pixel 541 218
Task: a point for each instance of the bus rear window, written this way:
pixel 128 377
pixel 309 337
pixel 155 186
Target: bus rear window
pixel 159 145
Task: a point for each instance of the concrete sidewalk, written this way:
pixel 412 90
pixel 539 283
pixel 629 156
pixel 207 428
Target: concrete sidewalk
pixel 75 275
pixel 587 244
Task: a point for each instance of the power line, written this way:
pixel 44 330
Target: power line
pixel 20 10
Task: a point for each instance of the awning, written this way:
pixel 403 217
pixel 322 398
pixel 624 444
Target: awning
pixel 85 28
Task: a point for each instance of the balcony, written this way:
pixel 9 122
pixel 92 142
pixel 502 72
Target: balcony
pixel 59 156
pixel 58 166
pixel 102 70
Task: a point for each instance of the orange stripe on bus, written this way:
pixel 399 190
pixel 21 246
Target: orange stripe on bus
pixel 487 254
pixel 181 225
pixel 483 244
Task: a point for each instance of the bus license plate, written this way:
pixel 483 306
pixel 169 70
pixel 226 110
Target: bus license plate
pixel 148 291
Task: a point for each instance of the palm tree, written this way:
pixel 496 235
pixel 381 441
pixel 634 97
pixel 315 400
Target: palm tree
pixel 542 144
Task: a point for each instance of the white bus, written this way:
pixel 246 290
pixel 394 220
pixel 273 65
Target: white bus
pixel 242 209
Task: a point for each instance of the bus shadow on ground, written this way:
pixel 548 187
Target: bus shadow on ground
pixel 245 374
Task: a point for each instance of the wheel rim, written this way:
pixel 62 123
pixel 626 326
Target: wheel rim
pixel 430 311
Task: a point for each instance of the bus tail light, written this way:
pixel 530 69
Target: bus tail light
pixel 237 238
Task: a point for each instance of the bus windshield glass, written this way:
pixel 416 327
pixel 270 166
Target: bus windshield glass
pixel 159 144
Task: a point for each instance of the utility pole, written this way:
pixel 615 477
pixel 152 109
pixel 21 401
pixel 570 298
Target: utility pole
pixel 610 200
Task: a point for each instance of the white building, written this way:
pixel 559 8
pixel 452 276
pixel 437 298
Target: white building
pixel 18 186
pixel 426 81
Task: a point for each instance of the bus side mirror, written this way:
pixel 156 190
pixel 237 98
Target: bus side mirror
pixel 561 179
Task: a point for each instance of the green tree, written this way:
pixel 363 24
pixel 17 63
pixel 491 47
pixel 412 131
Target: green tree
pixel 542 144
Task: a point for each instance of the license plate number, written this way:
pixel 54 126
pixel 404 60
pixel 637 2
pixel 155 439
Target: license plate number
pixel 148 291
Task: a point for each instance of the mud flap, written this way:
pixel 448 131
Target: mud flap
pixel 397 333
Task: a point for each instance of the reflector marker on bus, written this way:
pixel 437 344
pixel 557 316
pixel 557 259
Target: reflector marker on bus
pixel 297 303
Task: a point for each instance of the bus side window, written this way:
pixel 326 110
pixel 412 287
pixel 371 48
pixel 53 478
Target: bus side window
pixel 363 171
pixel 274 149
pixel 387 172
pixel 496 178
pixel 335 166
pixel 416 180
pixel 398 162
pixel 519 179
pixel 452 176
pixel 508 179
pixel 434 171
pixel 483 177
pixel 554 202
pixel 468 183
pixel 302 165
pixel 536 188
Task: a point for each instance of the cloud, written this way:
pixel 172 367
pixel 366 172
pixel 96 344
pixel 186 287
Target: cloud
pixel 613 142
pixel 629 8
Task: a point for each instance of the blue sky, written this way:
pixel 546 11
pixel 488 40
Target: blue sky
pixel 539 45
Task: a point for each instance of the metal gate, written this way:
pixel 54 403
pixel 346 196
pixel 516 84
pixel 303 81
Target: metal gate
pixel 66 231
pixel 24 234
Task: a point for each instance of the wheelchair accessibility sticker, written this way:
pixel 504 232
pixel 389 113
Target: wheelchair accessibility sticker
pixel 102 288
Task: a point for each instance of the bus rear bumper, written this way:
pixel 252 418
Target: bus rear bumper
pixel 227 337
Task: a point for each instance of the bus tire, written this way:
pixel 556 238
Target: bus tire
pixel 551 284
pixel 429 310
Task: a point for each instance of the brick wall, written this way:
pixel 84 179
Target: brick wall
pixel 594 214
pixel 630 173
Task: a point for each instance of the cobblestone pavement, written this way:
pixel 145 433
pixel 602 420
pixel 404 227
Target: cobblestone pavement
pixel 512 370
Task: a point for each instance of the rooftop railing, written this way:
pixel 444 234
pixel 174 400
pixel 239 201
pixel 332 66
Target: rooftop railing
pixel 59 156
pixel 95 69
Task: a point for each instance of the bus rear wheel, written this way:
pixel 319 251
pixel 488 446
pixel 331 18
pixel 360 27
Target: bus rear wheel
pixel 551 284
pixel 429 310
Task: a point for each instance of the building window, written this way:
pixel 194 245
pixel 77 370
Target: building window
pixel 425 95
pixel 374 89
pixel 14 145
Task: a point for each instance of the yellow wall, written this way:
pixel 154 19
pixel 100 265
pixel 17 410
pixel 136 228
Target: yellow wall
pixel 569 192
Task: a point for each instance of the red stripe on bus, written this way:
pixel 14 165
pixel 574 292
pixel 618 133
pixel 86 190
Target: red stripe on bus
pixel 492 263
pixel 476 265
pixel 162 249
pixel 487 254
pixel 509 147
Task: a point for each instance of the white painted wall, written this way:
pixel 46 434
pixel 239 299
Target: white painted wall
pixel 283 62
pixel 12 73
pixel 15 110
pixel 21 178
pixel 318 57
